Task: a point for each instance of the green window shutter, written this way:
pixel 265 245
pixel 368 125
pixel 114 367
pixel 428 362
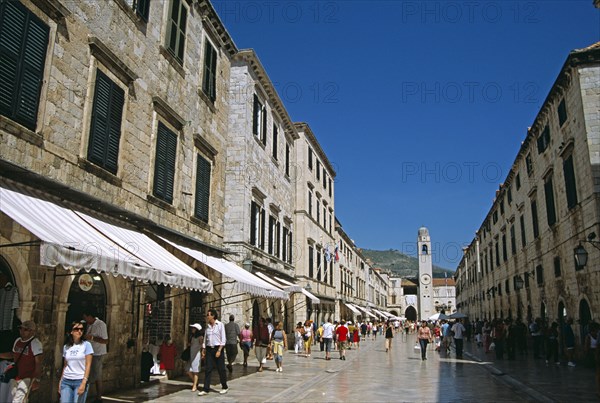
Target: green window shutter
pixel 253 221
pixel 255 113
pixel 164 170
pixel 105 129
pixel 23 46
pixel 202 189
pixel 210 71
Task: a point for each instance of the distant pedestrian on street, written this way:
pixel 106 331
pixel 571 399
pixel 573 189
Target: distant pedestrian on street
pixel 499 337
pixel 568 340
pixel 389 336
pixel 424 336
pixel 232 332
pixel 195 344
pixel 341 334
pixel 535 329
pixel 212 350
pixel 590 345
pixel 298 338
pixel 97 335
pixel 328 338
pixel 552 344
pixel 308 337
pixel 278 345
pixel 261 340
pixel 246 342
pixel 446 336
pixel 77 356
pixel 458 329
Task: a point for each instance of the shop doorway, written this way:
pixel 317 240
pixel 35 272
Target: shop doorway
pixel 585 317
pixel 87 292
pixel 158 313
pixel 9 302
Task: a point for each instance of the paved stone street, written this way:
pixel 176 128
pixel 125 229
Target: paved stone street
pixel 370 374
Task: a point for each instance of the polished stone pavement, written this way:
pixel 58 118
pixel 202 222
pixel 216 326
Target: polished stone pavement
pixel 370 374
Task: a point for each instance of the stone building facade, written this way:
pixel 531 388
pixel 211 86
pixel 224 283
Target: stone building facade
pixel 314 223
pixel 145 116
pixel 536 253
pixel 260 183
pixel 120 112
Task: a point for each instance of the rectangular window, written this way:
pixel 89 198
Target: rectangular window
pixel 497 254
pixel 504 254
pixel 277 246
pixel 506 286
pixel 562 113
pixel 495 216
pixel 330 190
pixel 142 9
pixel 319 268
pixel 164 170
pixel 539 275
pixel 310 159
pixel 259 120
pixel 499 289
pixel 509 195
pixel 550 208
pixel 284 244
pixel 502 206
pixel 318 170
pixel 271 238
pixel 105 128
pixel 527 280
pixel 275 139
pixel 287 160
pixel 202 206
pixel 513 240
pixel 318 211
pixel 23 46
pixel 570 185
pixel 289 248
pixel 311 268
pixel 491 258
pixel 543 140
pixel 324 217
pixel 209 82
pixel 534 219
pixel 310 203
pixel 518 181
pixel 557 272
pixel 529 165
pixel 324 179
pixel 331 272
pixel 257 225
pixel 523 239
pixel 176 29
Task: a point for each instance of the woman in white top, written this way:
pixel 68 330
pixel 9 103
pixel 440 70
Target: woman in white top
pixel 77 354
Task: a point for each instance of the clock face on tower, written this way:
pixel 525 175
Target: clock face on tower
pixel 425 279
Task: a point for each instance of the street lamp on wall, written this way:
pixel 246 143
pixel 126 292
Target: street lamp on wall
pixel 519 283
pixel 581 256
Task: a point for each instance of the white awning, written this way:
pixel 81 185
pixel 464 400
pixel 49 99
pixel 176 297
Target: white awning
pixel 365 311
pixel 76 240
pixel 288 286
pixel 380 313
pixel 352 308
pixel 310 295
pixel 246 282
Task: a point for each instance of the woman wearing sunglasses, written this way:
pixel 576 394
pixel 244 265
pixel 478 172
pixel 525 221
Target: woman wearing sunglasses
pixel 77 354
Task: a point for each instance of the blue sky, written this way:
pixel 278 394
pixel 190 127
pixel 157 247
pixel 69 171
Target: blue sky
pixel 421 106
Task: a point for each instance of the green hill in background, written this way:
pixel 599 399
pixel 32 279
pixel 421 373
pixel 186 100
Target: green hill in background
pixel 400 264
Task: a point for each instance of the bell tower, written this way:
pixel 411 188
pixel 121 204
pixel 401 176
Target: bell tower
pixel 426 307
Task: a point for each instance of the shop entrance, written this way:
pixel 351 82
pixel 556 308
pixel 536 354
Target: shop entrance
pixel 87 292
pixel 9 302
pixel 411 313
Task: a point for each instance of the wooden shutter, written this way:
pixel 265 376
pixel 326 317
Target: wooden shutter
pixel 253 222
pixel 255 113
pixel 210 71
pixel 23 46
pixel 105 129
pixel 263 128
pixel 202 189
pixel 164 171
pixel 570 183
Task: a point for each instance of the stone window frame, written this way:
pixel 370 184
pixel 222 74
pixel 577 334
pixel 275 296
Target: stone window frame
pixel 104 60
pixel 208 40
pixel 204 150
pixel 164 49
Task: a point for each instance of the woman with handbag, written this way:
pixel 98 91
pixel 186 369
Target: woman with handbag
pixel 77 355
pixel 424 337
pixel 195 345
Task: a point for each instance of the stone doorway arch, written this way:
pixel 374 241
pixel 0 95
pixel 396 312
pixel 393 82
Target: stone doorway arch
pixel 411 313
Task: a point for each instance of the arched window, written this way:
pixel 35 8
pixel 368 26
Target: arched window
pixel 424 249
